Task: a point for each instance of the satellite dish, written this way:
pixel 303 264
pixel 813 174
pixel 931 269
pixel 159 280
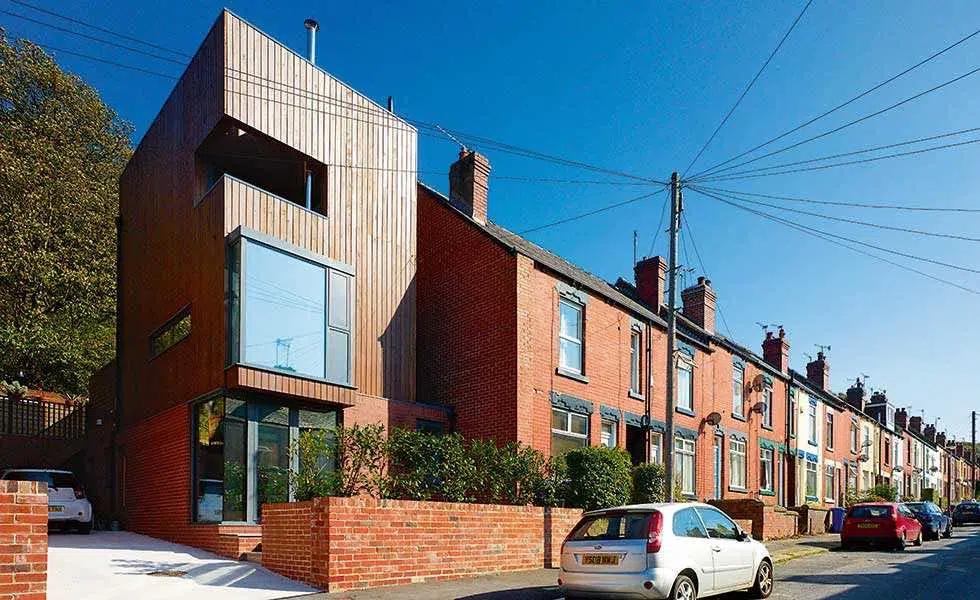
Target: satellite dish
pixel 759 407
pixel 713 419
pixel 758 383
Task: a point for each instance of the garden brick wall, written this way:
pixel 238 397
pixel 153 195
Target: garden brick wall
pixel 355 543
pixel 23 540
pixel 765 521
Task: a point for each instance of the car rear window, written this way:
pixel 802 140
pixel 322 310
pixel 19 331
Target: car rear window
pixel 54 480
pixel 870 512
pixel 617 526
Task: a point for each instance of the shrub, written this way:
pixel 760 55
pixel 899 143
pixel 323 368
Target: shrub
pixel 554 484
pixel 425 466
pixel 520 470
pixel 315 476
pixel 598 477
pixel 649 483
pixel 346 462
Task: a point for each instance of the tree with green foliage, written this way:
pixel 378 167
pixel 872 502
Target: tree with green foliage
pixel 61 153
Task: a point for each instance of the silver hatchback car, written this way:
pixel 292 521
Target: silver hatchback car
pixel 680 551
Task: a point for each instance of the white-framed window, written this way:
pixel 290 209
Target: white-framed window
pixel 828 483
pixel 685 385
pixel 607 433
pixel 792 416
pixel 767 400
pixel 854 437
pixel 852 478
pixel 568 430
pixel 736 454
pixel 766 468
pixel 829 430
pixel 866 442
pixel 738 389
pixel 684 459
pixel 811 478
pixel 656 447
pixel 636 364
pixel 570 351
pixel 813 423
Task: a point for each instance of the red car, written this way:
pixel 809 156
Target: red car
pixel 881 523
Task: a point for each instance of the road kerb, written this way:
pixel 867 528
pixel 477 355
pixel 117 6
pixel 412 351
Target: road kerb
pixel 788 556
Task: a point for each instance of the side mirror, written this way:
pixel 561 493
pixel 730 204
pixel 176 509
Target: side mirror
pixel 742 536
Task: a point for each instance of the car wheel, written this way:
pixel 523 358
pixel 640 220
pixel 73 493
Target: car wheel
pixel 846 545
pixel 763 581
pixel 85 528
pixel 900 546
pixel 949 531
pixel 684 589
pixel 918 539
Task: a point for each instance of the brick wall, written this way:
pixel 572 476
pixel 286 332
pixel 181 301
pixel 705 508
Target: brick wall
pixel 765 521
pixel 394 413
pixel 23 540
pixel 155 466
pixel 354 543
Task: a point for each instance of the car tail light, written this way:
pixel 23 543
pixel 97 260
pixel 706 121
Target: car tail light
pixel 655 532
pixel 79 491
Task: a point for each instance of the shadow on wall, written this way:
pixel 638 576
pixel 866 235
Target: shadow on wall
pixel 398 347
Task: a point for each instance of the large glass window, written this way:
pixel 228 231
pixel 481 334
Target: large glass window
pixel 811 478
pixel 242 455
pixel 684 459
pixel 570 336
pixel 288 314
pixel 738 387
pixel 828 483
pixel 568 430
pixel 685 386
pixel 636 347
pixel 608 433
pixel 736 451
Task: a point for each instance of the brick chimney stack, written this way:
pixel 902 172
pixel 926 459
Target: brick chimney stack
pixel 855 393
pixel 930 433
pixel 699 304
pixel 469 184
pixel 901 419
pixel 818 372
pixel 915 424
pixel 775 350
pixel 650 276
pixel 941 439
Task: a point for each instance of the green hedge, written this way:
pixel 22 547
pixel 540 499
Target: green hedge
pixel 598 477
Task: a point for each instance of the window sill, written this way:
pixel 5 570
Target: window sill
pixel 812 499
pixel 767 427
pixel 813 443
pixel 741 418
pixel 571 375
pixel 635 396
pixel 767 493
pixel 830 448
pixel 684 411
pixel 741 490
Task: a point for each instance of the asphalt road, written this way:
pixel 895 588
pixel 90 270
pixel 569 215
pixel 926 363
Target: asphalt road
pixel 943 569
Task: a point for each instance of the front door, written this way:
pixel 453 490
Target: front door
pixel 718 463
pixel 635 444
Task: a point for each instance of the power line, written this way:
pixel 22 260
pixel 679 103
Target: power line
pixel 847 204
pixel 697 253
pixel 97 28
pixel 749 86
pixel 102 60
pixel 815 233
pixel 841 237
pixel 848 162
pixel 839 106
pixel 951 236
pixel 840 155
pixel 660 224
pixel 849 123
pixel 90 37
pixel 588 214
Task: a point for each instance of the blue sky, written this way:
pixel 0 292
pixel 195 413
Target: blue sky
pixel 640 90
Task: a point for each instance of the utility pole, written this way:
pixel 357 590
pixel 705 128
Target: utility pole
pixel 675 221
pixel 634 253
pixel 973 455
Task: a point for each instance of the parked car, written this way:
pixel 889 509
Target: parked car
pixel 881 523
pixel 966 512
pixel 676 551
pixel 935 522
pixel 67 504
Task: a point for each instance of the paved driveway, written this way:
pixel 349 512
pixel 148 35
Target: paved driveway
pixel 117 566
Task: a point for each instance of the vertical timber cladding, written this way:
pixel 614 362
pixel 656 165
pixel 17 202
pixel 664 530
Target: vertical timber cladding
pixel 371 192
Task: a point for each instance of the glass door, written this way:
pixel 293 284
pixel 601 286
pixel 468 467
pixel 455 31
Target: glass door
pixel 271 455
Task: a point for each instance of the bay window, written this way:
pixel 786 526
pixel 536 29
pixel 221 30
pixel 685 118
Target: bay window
pixel 288 310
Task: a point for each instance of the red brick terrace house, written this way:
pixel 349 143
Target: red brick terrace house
pixel 266 285
pixel 527 347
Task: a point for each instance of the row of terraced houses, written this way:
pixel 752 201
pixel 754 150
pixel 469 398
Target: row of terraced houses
pixel 281 269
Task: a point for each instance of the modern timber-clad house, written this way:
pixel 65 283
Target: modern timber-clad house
pixel 266 284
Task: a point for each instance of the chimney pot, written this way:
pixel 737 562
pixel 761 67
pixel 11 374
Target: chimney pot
pixel 775 350
pixel 699 304
pixel 650 276
pixel 818 373
pixel 469 184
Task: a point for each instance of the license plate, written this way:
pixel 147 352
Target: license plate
pixel 600 559
pixel 55 508
pixel 867 526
